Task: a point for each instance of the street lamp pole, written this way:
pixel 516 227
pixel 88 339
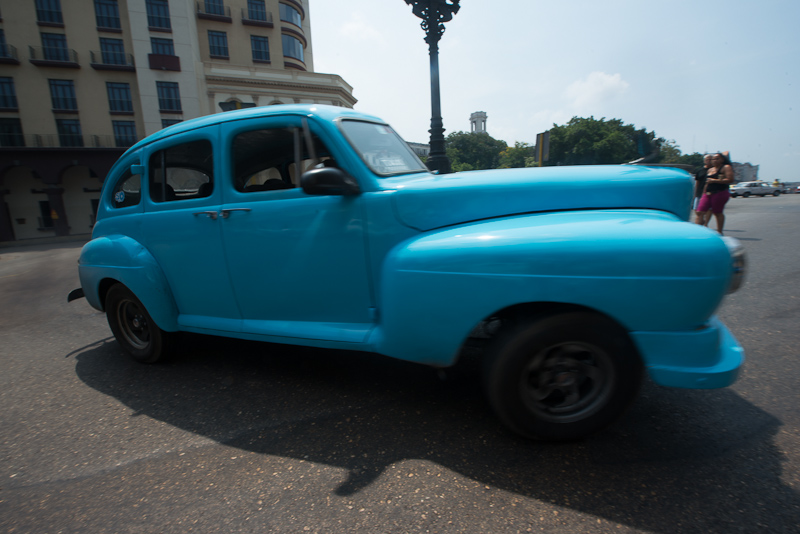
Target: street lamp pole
pixel 434 13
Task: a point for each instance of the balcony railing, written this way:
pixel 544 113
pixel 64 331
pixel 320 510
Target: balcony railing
pixel 51 56
pixel 112 61
pixel 57 141
pixel 8 54
pixel 257 18
pixel 214 11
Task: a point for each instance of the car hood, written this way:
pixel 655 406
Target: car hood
pixel 442 200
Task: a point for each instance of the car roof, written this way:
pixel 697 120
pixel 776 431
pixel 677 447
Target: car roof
pixel 325 112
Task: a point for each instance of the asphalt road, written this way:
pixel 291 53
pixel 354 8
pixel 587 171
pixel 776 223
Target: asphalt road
pixel 242 437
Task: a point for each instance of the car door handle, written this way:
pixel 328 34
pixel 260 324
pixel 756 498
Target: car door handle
pixel 209 214
pixel 226 212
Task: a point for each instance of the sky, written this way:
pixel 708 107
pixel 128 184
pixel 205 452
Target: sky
pixel 709 75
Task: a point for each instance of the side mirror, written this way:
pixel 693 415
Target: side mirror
pixel 328 181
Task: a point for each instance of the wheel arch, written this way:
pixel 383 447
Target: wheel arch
pixel 110 260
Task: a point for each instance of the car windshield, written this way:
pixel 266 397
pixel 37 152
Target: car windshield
pixel 381 148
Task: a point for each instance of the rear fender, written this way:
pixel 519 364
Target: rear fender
pixel 117 258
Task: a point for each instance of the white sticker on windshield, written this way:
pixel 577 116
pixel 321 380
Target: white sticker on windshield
pixel 382 129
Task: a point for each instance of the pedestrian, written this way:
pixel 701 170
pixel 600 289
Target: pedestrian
pixel 717 193
pixel 699 187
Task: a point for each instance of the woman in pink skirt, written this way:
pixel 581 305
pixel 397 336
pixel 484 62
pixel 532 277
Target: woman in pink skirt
pixel 716 195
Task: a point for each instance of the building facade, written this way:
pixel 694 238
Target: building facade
pixel 82 80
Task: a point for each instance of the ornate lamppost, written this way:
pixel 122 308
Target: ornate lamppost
pixel 434 13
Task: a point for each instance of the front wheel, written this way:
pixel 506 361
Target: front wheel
pixel 562 377
pixel 133 327
pixel 776 193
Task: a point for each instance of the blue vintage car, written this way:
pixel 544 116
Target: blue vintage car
pixel 318 226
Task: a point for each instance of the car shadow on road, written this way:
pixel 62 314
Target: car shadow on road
pixel 705 459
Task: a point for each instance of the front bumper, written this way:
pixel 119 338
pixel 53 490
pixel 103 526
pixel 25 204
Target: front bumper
pixel 700 359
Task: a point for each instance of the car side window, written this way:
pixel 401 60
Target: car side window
pixel 265 160
pixel 128 191
pixel 189 170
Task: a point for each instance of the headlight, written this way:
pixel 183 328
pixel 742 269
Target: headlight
pixel 738 262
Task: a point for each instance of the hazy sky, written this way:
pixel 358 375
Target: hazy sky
pixel 711 75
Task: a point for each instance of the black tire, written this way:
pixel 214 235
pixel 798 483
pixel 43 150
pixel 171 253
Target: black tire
pixel 562 377
pixel 776 193
pixel 734 195
pixel 746 194
pixel 133 327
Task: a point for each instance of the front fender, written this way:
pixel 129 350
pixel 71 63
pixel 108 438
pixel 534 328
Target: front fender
pixel 648 270
pixel 120 258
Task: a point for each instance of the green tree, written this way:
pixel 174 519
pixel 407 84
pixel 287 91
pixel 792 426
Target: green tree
pixel 516 156
pixel 671 153
pixel 473 151
pixel 591 141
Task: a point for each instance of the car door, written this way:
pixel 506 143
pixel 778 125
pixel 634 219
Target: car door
pixel 297 262
pixel 182 229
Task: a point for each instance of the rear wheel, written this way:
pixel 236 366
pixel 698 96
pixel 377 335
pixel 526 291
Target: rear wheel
pixel 133 327
pixel 746 194
pixel 776 193
pixel 562 377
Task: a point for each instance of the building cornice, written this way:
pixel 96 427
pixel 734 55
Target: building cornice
pixel 281 84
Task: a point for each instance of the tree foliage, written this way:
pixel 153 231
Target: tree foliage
pixel 473 151
pixel 589 141
pixel 671 153
pixel 582 141
pixel 517 156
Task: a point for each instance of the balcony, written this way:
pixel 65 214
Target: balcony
pixel 263 19
pixel 214 11
pixel 50 56
pixel 8 54
pixel 164 62
pixel 57 141
pixel 118 61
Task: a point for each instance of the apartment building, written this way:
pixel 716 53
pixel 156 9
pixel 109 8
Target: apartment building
pixel 82 80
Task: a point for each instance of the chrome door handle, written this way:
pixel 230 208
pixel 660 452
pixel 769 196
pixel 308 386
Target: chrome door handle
pixel 227 212
pixel 210 214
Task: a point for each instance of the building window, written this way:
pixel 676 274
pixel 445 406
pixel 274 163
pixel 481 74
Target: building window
pixel 169 97
pixel 169 122
pixel 217 44
pixel 290 14
pixel 54 46
pixel 162 46
pixel 11 133
pixel 214 7
pixel 124 133
pixel 69 132
pixel 112 51
pixel 3 46
pixel 8 94
pixel 119 97
pixel 106 13
pixel 158 14
pixel 49 11
pixel 292 47
pixel 62 93
pixel 260 47
pixel 256 10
